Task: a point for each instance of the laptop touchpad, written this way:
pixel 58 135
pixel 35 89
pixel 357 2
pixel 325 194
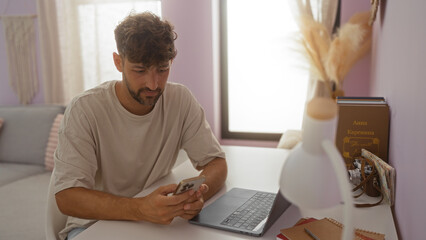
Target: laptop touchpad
pixel 225 205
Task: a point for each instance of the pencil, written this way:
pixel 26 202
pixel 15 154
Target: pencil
pixel 311 234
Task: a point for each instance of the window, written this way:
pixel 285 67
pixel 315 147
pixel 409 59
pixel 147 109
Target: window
pixel 97 20
pixel 264 81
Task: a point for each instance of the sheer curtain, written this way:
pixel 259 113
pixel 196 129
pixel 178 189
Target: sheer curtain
pixel 49 45
pixel 86 39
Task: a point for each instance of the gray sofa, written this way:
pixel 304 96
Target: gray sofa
pixel 24 179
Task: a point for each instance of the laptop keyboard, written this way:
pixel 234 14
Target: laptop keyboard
pixel 252 212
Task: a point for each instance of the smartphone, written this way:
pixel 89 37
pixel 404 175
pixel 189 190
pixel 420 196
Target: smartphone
pixel 189 183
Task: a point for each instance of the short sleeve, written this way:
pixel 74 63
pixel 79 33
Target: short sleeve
pixel 198 139
pixel 75 158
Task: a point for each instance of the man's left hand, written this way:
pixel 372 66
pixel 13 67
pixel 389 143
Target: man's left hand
pixel 194 204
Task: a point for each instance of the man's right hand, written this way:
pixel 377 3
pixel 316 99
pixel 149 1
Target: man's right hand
pixel 160 208
pixel 156 207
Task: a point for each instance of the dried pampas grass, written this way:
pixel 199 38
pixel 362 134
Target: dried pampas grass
pixel 343 49
pixel 316 43
pixel 332 58
pixel 351 43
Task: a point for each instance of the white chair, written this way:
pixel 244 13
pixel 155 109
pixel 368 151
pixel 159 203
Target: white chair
pixel 55 220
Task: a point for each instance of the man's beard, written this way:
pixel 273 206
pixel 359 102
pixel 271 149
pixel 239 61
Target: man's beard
pixel 149 100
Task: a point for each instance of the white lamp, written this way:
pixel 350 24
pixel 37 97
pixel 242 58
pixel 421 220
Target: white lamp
pixel 314 173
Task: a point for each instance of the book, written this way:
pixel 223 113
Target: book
pixel 358 98
pixel 326 228
pixel 301 221
pixel 363 123
pixel 361 100
pixel 386 175
pixel 280 236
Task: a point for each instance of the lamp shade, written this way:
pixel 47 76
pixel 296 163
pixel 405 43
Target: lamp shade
pixel 308 179
pixel 314 175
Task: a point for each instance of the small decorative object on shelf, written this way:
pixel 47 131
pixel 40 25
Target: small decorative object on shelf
pixel 369 181
pixel 386 176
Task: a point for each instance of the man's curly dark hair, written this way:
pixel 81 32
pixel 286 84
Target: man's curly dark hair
pixel 145 38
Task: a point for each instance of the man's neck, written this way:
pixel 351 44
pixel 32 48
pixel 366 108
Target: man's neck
pixel 128 102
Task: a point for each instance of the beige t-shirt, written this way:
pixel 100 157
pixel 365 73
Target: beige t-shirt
pixel 102 146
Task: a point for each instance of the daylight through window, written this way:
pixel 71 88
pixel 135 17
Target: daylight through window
pixel 264 76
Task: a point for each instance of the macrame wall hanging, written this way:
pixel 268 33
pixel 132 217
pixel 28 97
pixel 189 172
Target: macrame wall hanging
pixel 21 53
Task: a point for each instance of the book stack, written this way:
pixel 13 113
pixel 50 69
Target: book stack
pixel 326 228
pixel 363 123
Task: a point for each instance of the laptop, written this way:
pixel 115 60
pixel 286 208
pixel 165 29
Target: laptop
pixel 243 211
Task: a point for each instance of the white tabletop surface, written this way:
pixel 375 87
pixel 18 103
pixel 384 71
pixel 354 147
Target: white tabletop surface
pixel 248 167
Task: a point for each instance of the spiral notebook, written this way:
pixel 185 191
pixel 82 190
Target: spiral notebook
pixel 326 228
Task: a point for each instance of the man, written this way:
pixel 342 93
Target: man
pixel 122 136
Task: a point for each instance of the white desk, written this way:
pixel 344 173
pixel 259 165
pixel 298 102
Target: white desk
pixel 248 167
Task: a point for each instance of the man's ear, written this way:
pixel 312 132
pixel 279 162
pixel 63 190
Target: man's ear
pixel 118 62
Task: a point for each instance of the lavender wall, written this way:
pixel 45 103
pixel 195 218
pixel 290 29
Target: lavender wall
pixel 399 60
pixel 193 65
pixel 357 82
pixel 16 7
